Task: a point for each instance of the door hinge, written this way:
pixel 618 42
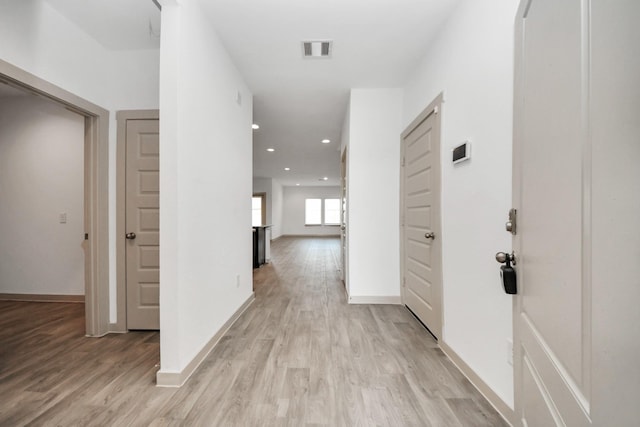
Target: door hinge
pixel 86 236
pixel 402 162
pixel 436 110
pixel 512 224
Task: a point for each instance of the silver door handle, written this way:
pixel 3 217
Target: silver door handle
pixel 430 235
pixel 506 258
pixel 130 236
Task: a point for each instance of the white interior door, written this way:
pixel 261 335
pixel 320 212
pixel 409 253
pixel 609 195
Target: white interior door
pixel 421 239
pixel 552 314
pixel 577 191
pixel 143 224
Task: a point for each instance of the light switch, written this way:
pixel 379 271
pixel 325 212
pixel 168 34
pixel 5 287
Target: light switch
pixel 63 218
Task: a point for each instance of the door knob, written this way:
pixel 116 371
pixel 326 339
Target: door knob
pixel 429 235
pixel 130 236
pixel 506 258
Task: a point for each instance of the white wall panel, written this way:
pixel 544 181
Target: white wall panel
pixel 472 63
pixel 41 177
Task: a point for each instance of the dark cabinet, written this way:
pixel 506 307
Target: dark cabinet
pixel 258 246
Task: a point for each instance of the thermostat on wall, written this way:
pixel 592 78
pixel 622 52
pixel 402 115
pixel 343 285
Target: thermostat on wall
pixel 461 153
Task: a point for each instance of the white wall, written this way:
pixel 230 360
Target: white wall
pixel 373 187
pixel 206 182
pixel 293 211
pixel 615 198
pixel 472 63
pixel 41 176
pixel 38 39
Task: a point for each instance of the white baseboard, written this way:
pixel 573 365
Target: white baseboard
pixel 310 235
pixel 396 300
pixel 177 379
pixel 42 298
pixel 115 328
pixel 499 405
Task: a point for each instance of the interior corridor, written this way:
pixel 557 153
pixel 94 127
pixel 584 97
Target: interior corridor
pixel 300 355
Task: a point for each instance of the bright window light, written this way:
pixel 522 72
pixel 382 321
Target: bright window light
pixel 256 211
pixel 332 211
pixel 313 211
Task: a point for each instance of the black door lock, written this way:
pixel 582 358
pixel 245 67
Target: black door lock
pixel 507 273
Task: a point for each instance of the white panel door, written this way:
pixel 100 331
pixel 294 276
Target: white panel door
pixel 421 242
pixel 143 224
pixel 552 315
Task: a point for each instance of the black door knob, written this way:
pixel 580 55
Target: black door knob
pixel 130 236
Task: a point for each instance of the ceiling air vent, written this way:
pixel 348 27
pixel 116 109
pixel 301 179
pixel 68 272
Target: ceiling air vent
pixel 317 49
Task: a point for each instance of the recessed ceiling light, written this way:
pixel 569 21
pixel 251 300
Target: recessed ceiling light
pixel 255 126
pixel 287 169
pixel 326 141
pixel 271 150
pixel 325 178
pixel 298 184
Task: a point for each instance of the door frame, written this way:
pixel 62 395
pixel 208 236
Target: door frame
pixel 122 117
pixel 96 190
pixel 434 107
pixel 343 217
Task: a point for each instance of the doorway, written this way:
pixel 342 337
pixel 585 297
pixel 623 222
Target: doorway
pixel 343 219
pixel 96 186
pixel 41 199
pixel 421 243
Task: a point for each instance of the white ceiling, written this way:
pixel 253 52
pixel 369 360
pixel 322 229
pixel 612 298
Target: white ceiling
pixel 116 24
pixel 298 102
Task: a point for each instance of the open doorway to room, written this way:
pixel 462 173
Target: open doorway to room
pixel 91 122
pixel 41 189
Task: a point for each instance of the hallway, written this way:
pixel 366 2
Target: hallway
pixel 298 356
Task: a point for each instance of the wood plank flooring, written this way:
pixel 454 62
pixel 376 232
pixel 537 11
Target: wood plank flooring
pixel 299 356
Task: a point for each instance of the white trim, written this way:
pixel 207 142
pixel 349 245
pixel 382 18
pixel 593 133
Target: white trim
pixel 374 299
pixel 494 400
pixel 42 298
pixel 177 379
pixel 308 235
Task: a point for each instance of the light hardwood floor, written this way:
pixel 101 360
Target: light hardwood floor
pixel 298 356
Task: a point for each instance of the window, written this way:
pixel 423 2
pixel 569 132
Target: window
pixel 332 211
pixel 313 211
pixel 258 212
pixel 314 214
